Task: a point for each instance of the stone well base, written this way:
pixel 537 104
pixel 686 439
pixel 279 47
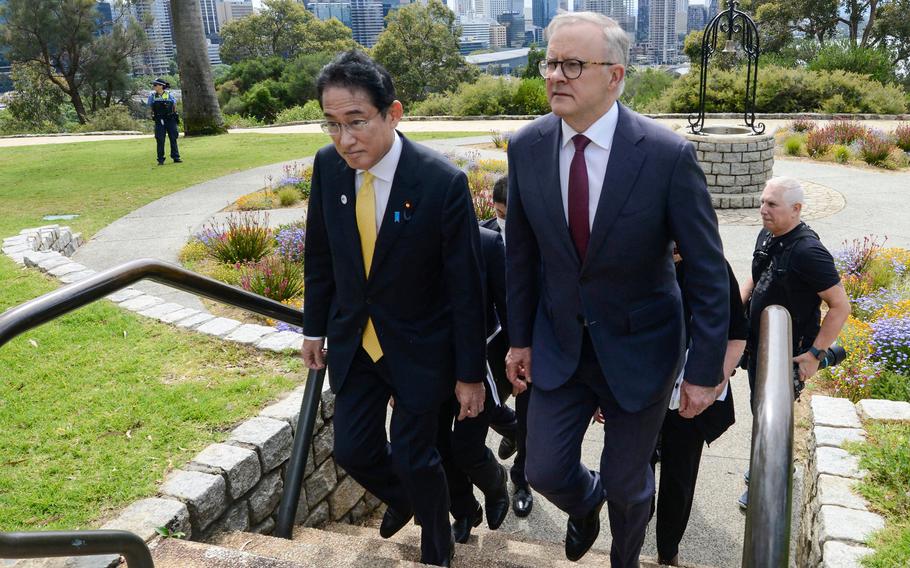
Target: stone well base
pixel 736 167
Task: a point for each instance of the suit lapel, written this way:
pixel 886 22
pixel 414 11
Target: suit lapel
pixel 404 191
pixel 546 163
pixel 625 162
pixel 345 198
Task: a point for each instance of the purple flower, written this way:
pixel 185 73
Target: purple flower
pixel 281 326
pixel 291 243
pixel 891 340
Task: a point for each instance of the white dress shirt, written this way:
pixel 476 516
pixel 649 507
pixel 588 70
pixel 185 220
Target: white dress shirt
pixel 597 155
pixel 384 172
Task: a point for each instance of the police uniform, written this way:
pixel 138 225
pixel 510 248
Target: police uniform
pixel 164 112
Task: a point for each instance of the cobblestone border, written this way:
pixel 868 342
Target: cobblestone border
pixel 230 486
pixel 837 522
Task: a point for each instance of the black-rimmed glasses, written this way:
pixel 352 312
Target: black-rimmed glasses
pixel 358 125
pixel 571 68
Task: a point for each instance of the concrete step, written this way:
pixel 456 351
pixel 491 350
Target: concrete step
pixel 177 553
pixel 313 547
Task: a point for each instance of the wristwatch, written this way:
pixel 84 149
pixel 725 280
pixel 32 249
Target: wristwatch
pixel 819 354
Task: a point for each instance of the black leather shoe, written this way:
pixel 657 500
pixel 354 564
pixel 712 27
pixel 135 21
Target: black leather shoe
pixel 392 522
pixel 497 503
pixel 581 532
pixel 507 447
pixel 522 502
pixel 447 561
pixel 178 161
pixel 461 528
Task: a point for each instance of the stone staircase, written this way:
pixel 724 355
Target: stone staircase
pixel 349 546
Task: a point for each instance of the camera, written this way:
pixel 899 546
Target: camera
pixel 834 355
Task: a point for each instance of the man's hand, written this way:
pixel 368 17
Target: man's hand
pixel 719 389
pixel 693 399
pixel 470 399
pixel 518 368
pixel 313 354
pixel 808 365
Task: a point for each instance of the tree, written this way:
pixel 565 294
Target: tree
pixel 892 31
pixel 419 47
pixel 37 104
pixel 63 39
pixel 847 56
pixel 201 113
pixel 284 29
pixel 535 56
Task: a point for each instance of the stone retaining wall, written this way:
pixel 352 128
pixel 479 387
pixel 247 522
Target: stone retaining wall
pixel 736 167
pixel 837 522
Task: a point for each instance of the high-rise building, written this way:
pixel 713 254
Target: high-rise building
pixel 105 18
pixel 341 11
pixel 543 11
pixel 157 60
pixel 231 10
pixel 366 21
pixel 697 18
pixel 662 39
pixel 712 11
pixel 4 62
pixel 498 36
pixel 641 35
pixel 211 27
pixel 682 20
pixel 515 28
pixel 619 10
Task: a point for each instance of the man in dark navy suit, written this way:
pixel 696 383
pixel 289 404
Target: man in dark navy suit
pixel 597 194
pixel 392 272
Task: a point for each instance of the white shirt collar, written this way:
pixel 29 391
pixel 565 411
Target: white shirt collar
pixel 385 168
pixel 600 133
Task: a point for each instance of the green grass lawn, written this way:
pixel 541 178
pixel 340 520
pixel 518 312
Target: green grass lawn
pixel 97 406
pixel 886 454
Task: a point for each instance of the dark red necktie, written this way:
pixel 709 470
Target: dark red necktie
pixel 579 226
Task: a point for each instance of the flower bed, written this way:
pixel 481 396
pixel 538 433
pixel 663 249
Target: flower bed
pixel 291 189
pixel 877 333
pixel 845 142
pixel 482 175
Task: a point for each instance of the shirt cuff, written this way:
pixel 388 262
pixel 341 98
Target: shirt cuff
pixel 307 337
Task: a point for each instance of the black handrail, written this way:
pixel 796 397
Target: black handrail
pixel 31 314
pixel 76 543
pixel 767 538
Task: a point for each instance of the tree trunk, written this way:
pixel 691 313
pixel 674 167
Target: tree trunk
pixel 201 113
pixel 72 91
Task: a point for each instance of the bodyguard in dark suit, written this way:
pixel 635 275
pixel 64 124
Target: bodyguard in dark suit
pixel 392 270
pixel 597 193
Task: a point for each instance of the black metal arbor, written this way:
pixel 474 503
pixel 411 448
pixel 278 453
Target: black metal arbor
pixel 733 23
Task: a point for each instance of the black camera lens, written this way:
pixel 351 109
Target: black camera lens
pixel 834 355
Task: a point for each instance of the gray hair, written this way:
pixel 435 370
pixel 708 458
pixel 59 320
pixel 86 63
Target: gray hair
pixel 615 38
pixel 790 188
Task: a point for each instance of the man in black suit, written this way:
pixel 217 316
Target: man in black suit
pixel 512 426
pixel 392 270
pixel 597 195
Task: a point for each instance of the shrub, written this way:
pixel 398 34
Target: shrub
pixel 890 386
pixel 902 136
pixel 115 117
pixel 855 256
pixel 891 338
pixel 875 149
pixel 818 142
pixel 245 239
pixel 273 277
pixel 437 104
pixel 481 185
pixel 840 153
pixel 291 241
pixel 255 201
pixel 288 196
pixel 500 140
pixel 793 145
pixel 846 132
pixel 227 273
pixel 192 251
pixel 851 379
pixel 309 111
pixel 844 55
pixel 238 121
pixel 802 125
pixel 531 97
pixel 494 166
pixel 897 159
pixel 488 96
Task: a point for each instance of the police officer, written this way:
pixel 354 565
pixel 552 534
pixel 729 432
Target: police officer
pixel 164 112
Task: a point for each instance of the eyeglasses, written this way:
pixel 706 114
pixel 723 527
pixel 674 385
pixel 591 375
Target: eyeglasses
pixel 571 68
pixel 355 126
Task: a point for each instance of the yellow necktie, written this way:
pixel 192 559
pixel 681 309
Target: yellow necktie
pixel 366 225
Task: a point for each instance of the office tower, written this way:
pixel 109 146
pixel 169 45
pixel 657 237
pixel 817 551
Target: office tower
pixel 341 11
pixel 155 61
pixel 662 39
pixel 210 25
pixel 682 20
pixel 366 21
pixel 498 36
pixel 697 16
pixel 618 10
pixel 515 28
pixel 641 35
pixel 543 11
pixel 712 11
pixel 231 10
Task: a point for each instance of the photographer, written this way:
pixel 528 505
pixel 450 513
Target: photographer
pixel 791 268
pixel 164 111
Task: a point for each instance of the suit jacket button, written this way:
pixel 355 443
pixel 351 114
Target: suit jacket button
pixel 369 301
pixel 359 331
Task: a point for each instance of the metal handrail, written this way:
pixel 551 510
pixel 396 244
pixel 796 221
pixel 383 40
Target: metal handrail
pixel 767 537
pixel 33 313
pixel 76 543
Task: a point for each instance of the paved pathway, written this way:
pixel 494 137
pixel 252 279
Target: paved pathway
pixel 845 203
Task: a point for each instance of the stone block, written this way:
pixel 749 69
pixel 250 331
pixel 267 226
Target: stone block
pixel 759 178
pixel 328 405
pixel 33 258
pixel 240 466
pixel 835 437
pixel 265 527
pixel 236 519
pixel 752 156
pixel 124 295
pixel 884 410
pixel 346 495
pixel 287 409
pixel 740 147
pixel 303 509
pixel 281 341
pixel 838 412
pixel 265 497
pixel 320 483
pixel 319 516
pixel 743 180
pixel 847 525
pixel 756 167
pixel 271 438
pixel 142 302
pixel 767 154
pixel 77 276
pixel 724 147
pixel 218 327
pixel 740 168
pixel 65 269
pixel 323 443
pixel 731 157
pixel 54 261
pixel 711 179
pixel 22 248
pixel 205 495
pixel 839 491
pixel 195 320
pixel 835 461
pixel 713 157
pixel 720 168
pixel 726 181
pixel 161 310
pixel 249 333
pixel 180 314
pixel 839 555
pixel 144 516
